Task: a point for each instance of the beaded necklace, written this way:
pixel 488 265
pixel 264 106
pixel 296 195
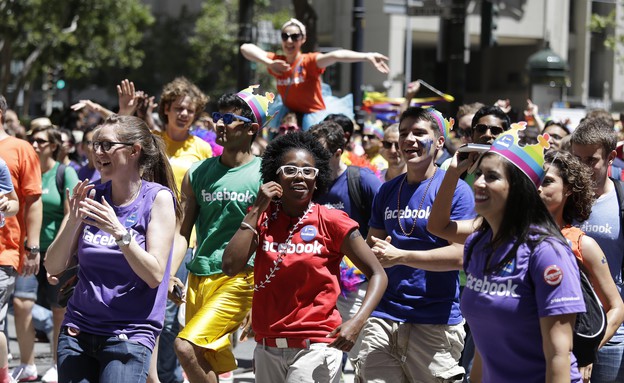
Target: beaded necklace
pixel 422 200
pixel 283 247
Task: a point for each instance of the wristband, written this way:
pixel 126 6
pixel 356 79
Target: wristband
pixel 244 225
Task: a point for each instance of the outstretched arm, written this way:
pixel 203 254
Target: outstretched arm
pixel 378 60
pixel 256 54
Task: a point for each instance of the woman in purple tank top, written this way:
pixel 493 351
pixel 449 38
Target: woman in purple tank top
pixel 120 231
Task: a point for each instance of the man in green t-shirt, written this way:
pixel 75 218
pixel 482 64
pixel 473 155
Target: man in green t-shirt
pixel 216 194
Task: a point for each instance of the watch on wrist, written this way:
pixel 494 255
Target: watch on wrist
pixel 125 239
pixel 33 251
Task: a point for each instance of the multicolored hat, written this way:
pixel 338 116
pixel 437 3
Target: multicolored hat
pixel 528 158
pixel 259 104
pixel 374 128
pixel 444 125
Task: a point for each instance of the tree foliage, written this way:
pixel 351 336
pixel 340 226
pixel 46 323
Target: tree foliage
pixel 77 36
pixel 606 26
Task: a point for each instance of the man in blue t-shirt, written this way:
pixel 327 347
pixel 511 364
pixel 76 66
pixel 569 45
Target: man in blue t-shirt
pixel 594 142
pixel 416 333
pixel 339 196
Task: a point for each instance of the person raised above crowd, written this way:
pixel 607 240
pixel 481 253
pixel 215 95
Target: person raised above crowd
pixel 299 332
pixel 299 74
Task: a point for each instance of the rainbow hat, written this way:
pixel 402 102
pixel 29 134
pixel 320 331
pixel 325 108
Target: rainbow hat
pixel 444 125
pixel 374 128
pixel 528 158
pixel 259 104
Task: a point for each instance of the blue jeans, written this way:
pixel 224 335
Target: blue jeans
pixel 92 358
pixel 169 369
pixel 609 367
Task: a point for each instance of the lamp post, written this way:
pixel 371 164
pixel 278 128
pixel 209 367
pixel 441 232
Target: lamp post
pixel 548 78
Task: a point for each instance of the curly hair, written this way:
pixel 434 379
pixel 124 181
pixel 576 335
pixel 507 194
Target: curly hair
pixel 180 86
pixel 275 151
pixel 577 177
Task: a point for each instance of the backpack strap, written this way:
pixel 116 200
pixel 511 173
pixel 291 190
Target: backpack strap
pixel 619 192
pixel 60 181
pixel 356 194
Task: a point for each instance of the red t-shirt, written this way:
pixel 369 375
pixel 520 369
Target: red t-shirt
pixel 300 87
pixel 300 299
pixel 25 171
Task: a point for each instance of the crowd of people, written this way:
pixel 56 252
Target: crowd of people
pixel 150 235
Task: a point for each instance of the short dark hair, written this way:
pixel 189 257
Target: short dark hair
pixel 234 101
pixel 329 133
pixel 345 122
pixel 272 158
pixel 492 111
pixel 557 123
pixel 417 114
pixel 595 131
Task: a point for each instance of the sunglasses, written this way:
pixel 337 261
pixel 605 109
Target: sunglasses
pixel 288 128
pixel 290 171
pixel 482 129
pixel 39 141
pixel 369 136
pixel 228 118
pixel 293 36
pixel 107 145
pixel 389 145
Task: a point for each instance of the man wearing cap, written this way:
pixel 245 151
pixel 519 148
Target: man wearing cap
pixel 216 194
pixel 416 333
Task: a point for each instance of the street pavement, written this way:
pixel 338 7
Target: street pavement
pixel 243 352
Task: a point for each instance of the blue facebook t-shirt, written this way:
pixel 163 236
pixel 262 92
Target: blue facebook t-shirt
pixel 415 295
pixel 337 196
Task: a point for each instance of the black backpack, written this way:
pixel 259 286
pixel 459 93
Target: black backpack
pixel 358 198
pixel 60 180
pixel 590 327
pixel 619 192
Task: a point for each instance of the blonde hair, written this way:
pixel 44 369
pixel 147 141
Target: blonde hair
pixel 297 24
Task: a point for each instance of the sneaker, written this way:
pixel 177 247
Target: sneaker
pixel 51 376
pixel 226 377
pixel 25 373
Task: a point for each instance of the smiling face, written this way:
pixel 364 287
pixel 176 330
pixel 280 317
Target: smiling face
pixel 116 159
pixel 553 191
pixel 180 115
pixel 482 132
pixel 298 190
pixel 418 142
pixel 491 188
pixel 290 46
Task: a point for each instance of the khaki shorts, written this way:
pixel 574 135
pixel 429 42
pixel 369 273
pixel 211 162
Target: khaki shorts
pixel 316 363
pixel 215 307
pixel 397 352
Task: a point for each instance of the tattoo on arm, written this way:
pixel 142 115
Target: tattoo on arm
pixel 354 234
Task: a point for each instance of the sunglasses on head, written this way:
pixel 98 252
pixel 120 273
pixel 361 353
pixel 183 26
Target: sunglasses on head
pixel 107 145
pixel 290 171
pixel 39 141
pixel 482 129
pixel 293 36
pixel 227 117
pixel 389 145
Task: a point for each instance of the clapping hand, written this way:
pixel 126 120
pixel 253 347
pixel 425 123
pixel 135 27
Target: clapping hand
pixel 279 66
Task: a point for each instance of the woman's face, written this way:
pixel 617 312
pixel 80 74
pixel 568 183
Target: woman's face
pixel 390 149
pixel 491 188
pixel 297 188
pixel 553 191
pixel 41 143
pixel 292 40
pixel 116 158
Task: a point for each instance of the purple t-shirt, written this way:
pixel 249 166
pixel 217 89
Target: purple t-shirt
pixel 110 299
pixel 503 309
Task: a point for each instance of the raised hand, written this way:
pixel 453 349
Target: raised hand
pixel 379 61
pixel 101 215
pixel 267 192
pixel 128 100
pixel 82 191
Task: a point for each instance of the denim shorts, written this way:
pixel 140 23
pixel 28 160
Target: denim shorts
pixel 37 288
pixel 7 283
pixel 84 357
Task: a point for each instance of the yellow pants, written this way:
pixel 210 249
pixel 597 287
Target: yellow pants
pixel 215 307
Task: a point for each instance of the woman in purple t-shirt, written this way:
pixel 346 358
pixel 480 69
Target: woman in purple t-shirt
pixel 120 232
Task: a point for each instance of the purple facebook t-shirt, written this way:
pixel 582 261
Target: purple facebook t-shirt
pixel 503 309
pixel 110 299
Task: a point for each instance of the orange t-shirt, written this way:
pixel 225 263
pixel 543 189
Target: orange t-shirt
pixel 25 171
pixel 300 87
